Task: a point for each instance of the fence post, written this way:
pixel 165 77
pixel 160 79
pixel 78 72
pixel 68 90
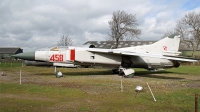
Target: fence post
pixel 196 102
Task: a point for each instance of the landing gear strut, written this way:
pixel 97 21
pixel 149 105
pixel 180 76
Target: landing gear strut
pixel 55 72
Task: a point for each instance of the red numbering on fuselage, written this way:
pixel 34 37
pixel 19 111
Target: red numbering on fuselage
pixel 57 57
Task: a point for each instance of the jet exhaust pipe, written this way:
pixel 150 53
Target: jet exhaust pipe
pixel 176 64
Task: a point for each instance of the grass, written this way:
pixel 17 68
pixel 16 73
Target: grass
pixel 97 90
pixel 9 64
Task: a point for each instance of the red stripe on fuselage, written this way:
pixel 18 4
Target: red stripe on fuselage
pixel 72 55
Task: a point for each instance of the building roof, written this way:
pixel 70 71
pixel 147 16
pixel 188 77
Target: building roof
pixel 9 50
pixel 111 44
pixel 122 44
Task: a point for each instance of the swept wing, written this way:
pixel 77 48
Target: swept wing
pixel 121 52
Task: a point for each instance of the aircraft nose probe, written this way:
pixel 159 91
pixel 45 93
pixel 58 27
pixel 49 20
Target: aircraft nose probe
pixel 26 56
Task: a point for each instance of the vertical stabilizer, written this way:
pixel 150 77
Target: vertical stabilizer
pixel 167 46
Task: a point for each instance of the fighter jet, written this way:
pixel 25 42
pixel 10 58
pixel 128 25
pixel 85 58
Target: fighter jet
pixel 159 55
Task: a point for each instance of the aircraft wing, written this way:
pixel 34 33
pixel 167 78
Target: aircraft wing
pixel 105 50
pixel 161 56
pixel 121 52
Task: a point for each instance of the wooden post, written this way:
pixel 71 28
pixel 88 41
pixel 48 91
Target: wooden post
pixel 122 83
pixel 196 102
pixel 20 77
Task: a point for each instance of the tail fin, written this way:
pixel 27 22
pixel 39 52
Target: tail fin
pixel 167 46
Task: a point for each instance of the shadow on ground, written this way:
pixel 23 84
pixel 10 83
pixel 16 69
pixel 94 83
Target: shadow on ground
pixel 157 74
pixel 79 73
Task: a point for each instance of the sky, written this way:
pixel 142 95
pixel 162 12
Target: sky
pixel 35 24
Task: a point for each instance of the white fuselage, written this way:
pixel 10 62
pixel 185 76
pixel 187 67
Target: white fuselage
pixel 80 56
pixel 145 56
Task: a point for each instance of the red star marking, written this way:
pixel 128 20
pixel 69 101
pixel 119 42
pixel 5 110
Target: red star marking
pixel 165 48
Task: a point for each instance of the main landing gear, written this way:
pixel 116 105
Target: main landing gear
pixel 126 72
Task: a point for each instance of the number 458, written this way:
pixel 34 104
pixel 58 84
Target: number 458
pixel 57 57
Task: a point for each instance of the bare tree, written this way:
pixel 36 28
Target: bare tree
pixel 189 28
pixel 65 41
pixel 123 26
pixel 168 33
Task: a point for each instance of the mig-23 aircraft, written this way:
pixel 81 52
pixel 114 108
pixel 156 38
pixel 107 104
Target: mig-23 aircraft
pixel 159 55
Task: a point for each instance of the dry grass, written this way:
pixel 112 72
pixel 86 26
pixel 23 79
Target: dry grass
pixel 97 90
